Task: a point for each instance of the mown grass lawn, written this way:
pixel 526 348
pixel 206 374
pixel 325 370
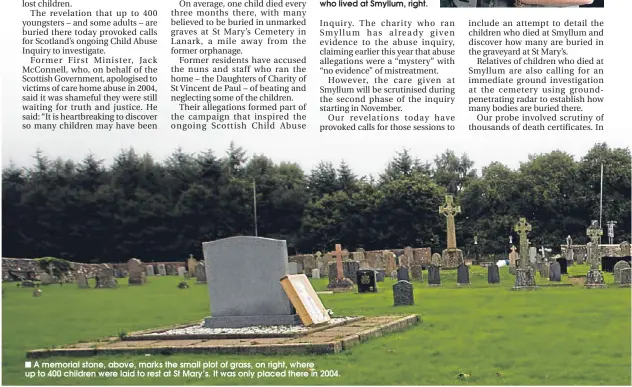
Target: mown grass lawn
pixel 550 336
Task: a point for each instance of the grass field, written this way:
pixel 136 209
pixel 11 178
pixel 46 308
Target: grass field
pixel 551 336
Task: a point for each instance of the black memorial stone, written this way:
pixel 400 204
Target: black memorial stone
pixel 563 265
pixel 463 275
pixel 607 263
pixel 402 274
pixel 434 275
pixel 403 293
pixel 493 274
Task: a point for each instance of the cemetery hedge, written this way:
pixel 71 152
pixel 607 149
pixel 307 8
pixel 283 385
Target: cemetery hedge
pixel 88 211
pixel 550 336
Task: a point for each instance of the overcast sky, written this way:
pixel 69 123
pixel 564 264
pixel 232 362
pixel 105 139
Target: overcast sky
pixel 366 152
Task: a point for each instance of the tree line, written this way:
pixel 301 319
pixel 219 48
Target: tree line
pixel 137 206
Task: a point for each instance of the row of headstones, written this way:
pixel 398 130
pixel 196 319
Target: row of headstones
pixel 367 279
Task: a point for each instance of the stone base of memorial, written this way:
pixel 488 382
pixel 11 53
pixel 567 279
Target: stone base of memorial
pixel 594 279
pixel 341 285
pixel 451 258
pixel 525 279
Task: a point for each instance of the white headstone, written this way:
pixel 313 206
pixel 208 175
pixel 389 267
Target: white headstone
pixel 181 271
pixel 150 270
pixel 292 268
pixel 315 274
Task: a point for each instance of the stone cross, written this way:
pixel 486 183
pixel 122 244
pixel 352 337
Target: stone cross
pixel 543 253
pixel 522 227
pixel 449 210
pixel 338 254
pixel 594 232
pixel 569 241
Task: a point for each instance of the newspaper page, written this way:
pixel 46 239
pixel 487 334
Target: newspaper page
pixel 453 177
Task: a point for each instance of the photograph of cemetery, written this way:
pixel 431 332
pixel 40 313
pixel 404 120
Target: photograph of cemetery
pixel 234 269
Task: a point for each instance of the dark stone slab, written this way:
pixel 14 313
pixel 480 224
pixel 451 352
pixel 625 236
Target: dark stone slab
pixel 563 262
pixel 463 275
pixel 607 263
pixel 493 274
pixel 434 275
pixel 380 275
pixel 555 273
pixel 617 270
pixel 367 281
pixel 402 274
pixel 403 293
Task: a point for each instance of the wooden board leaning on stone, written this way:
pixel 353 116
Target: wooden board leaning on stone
pixel 303 297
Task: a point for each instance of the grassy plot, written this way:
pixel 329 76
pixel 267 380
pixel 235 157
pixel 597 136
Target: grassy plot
pixel 550 336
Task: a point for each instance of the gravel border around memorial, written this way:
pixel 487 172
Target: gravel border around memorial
pixel 198 331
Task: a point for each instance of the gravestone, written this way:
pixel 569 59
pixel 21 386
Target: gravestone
pixel 315 274
pixel 191 264
pixel 402 274
pixel 451 257
pixel 200 273
pixel 581 258
pixel 46 279
pixel 380 275
pixel 82 281
pixel 624 276
pixel 463 275
pixel 434 275
pixel 349 270
pixel 513 257
pixel 243 276
pixel 150 270
pixel 556 272
pixel 570 256
pixel 367 281
pixel 403 293
pixel 416 272
pixel 292 268
pixel 136 274
pixel 182 271
pixel 493 274
pixel 161 269
pixel 563 262
pixel 617 270
pixel 533 252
